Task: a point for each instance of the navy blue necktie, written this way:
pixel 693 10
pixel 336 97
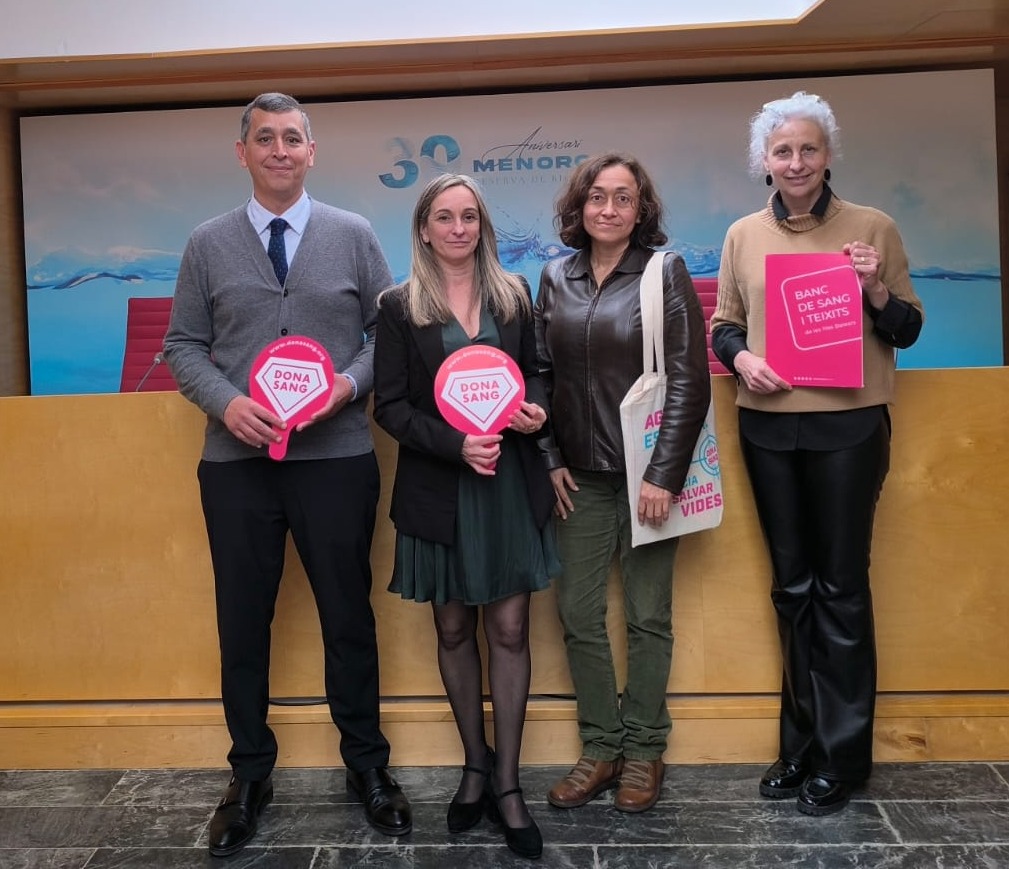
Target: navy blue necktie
pixel 277 249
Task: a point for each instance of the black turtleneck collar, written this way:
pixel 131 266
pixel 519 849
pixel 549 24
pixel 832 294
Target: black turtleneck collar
pixel 818 210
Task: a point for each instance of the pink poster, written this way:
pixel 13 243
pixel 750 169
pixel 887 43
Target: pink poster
pixel 813 311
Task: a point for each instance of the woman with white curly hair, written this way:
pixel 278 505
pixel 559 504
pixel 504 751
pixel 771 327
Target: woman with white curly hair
pixel 816 457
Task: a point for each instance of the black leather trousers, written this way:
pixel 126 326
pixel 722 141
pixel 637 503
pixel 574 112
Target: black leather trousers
pixel 816 509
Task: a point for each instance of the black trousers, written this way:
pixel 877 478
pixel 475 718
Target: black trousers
pixel 816 509
pixel 329 508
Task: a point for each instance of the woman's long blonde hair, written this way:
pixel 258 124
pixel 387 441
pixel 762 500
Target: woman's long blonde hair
pixel 504 294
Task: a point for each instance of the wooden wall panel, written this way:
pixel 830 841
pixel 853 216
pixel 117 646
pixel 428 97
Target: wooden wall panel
pixel 706 729
pixel 13 308
pixel 1002 162
pixel 107 588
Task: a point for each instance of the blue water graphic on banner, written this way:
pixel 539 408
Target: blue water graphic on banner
pixel 82 351
pixel 105 225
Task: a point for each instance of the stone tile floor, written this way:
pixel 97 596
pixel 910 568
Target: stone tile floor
pixel 908 816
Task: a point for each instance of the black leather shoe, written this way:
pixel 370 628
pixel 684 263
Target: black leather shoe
pixel 237 815
pixel 783 779
pixel 821 796
pixel 387 810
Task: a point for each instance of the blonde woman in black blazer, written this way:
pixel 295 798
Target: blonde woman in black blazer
pixel 472 512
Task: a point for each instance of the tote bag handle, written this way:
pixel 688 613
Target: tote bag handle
pixel 653 357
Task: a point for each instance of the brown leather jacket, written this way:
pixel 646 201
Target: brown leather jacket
pixel 588 343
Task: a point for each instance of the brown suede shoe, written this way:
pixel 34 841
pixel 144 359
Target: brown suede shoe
pixel 640 784
pixel 585 782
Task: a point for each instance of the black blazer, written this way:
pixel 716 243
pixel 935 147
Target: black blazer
pixel 407 358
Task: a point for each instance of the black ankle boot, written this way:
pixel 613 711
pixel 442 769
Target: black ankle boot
pixel 465 816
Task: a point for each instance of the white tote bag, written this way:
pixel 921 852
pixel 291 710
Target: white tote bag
pixel 699 505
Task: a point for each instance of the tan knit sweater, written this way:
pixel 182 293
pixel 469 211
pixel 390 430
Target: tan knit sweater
pixel 741 294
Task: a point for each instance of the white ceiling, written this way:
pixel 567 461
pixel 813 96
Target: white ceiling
pixel 57 28
pixel 834 36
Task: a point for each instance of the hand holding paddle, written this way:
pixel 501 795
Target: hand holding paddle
pixel 479 390
pixel 294 377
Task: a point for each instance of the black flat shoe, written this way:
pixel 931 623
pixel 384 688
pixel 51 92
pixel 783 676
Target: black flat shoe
pixel 464 816
pixel 820 796
pixel 783 779
pixel 385 806
pixel 524 841
pixel 236 817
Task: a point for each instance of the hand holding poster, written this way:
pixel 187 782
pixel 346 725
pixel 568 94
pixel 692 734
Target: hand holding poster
pixel 813 311
pixel 478 388
pixel 293 377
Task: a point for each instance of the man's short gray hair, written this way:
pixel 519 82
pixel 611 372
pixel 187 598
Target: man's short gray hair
pixel 275 103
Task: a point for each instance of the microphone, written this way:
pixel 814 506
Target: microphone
pixel 159 357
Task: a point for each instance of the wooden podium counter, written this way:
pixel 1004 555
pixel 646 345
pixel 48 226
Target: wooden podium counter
pixel 108 648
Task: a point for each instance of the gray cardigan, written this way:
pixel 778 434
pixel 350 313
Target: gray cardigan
pixel 228 306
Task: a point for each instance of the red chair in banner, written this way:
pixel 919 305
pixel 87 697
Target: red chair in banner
pixel 707 292
pixel 144 369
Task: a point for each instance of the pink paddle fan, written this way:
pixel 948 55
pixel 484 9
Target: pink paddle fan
pixel 293 376
pixel 478 388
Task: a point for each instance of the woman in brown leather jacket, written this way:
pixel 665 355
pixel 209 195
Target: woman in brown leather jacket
pixel 588 335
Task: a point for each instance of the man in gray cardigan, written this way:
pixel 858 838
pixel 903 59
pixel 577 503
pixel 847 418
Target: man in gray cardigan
pixel 246 280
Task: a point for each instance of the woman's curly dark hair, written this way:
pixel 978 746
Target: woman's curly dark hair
pixel 570 204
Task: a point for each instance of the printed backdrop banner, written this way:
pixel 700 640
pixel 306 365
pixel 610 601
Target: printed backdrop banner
pixel 110 199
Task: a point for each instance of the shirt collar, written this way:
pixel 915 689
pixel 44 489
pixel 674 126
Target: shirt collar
pixel 634 260
pixel 818 210
pixel 296 216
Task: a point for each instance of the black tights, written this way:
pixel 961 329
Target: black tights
pixel 506 627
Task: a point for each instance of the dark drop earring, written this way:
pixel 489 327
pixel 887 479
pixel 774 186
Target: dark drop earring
pixel 768 180
pixel 826 174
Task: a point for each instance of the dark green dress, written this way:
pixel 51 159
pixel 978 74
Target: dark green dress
pixel 498 549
